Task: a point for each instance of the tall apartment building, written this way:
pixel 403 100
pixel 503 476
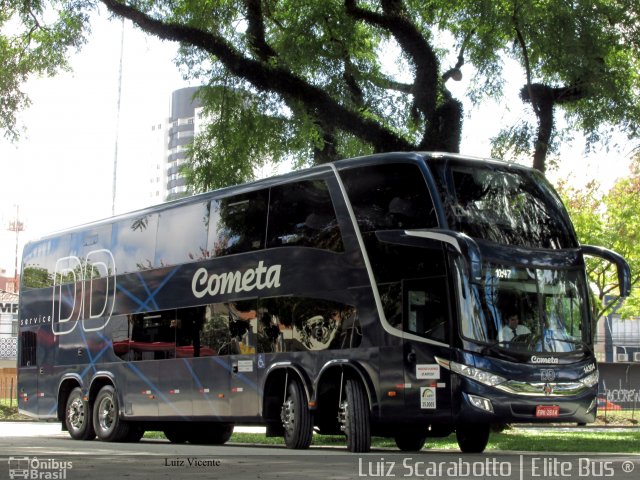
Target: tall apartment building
pixel 168 145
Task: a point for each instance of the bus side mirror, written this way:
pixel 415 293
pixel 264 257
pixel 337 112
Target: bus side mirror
pixel 464 245
pixel 624 271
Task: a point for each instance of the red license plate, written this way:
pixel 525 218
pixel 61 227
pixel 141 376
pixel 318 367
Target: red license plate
pixel 547 411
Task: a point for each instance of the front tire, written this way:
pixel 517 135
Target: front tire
pixel 473 438
pixel 107 423
pixel 296 418
pixel 77 416
pixel 354 417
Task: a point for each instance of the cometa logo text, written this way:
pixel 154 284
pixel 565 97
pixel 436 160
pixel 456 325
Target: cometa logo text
pixel 553 360
pixel 261 277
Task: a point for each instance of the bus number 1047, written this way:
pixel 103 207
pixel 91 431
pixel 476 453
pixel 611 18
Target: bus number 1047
pixel 503 273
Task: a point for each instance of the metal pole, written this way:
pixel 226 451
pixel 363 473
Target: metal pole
pixel 16 226
pixel 115 153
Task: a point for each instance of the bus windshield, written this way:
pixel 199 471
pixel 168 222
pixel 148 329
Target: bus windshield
pixel 527 310
pixel 503 204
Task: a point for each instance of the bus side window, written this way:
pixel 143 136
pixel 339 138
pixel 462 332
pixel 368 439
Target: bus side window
pixel 189 333
pixel 28 342
pixel 134 243
pixel 302 214
pixel 215 334
pixel 426 308
pixel 153 335
pixel 390 196
pixel 238 223
pixel 293 324
pixel 243 324
pixel 192 221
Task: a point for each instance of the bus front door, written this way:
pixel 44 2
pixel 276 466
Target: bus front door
pixel 426 333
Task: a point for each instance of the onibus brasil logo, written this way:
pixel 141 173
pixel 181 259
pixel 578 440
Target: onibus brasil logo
pixel 38 469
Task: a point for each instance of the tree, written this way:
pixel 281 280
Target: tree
pixel 611 220
pixel 578 56
pixel 313 80
pixel 287 77
pixel 29 45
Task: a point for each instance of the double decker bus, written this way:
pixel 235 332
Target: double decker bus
pixel 405 295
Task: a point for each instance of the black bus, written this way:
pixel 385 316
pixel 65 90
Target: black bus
pixel 405 295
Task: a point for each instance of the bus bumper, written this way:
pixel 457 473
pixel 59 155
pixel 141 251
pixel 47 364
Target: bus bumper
pixel 481 404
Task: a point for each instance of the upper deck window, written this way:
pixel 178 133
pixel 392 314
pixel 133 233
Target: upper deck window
pixel 389 196
pixel 504 205
pixel 134 246
pixel 182 235
pixel 239 222
pixel 301 214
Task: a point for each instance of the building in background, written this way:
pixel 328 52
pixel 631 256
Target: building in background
pixel 8 322
pixel 168 144
pixel 618 340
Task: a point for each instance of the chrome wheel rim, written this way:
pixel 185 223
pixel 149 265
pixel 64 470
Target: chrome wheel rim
pixel 76 414
pixel 106 414
pixel 287 415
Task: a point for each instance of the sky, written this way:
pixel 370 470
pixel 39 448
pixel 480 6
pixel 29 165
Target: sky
pixel 60 173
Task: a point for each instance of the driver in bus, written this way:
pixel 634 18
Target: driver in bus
pixel 513 328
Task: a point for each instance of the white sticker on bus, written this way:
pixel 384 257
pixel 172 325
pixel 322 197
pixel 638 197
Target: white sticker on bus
pixel 245 366
pixel 428 397
pixel 428 372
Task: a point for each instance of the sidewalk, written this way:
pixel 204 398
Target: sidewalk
pixel 31 429
pixel 54 429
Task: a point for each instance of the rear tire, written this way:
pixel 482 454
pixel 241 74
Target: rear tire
pixel 472 438
pixel 354 417
pixel 77 416
pixel 107 423
pixel 296 418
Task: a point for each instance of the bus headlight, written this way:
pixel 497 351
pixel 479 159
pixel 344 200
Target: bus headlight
pixel 481 403
pixel 480 376
pixel 591 380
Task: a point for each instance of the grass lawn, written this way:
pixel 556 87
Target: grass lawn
pixel 535 440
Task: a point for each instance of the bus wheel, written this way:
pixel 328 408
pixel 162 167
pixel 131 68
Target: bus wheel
pixel 472 438
pixel 77 416
pixel 296 418
pixel 410 441
pixel 106 419
pixel 354 417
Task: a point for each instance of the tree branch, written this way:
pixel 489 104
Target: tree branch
pixel 527 65
pixel 455 70
pixel 267 77
pixel 256 32
pixel 394 20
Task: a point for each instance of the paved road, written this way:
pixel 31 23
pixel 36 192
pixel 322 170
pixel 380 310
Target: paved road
pixel 29 450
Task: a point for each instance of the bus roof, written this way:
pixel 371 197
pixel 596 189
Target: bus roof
pixel 283 178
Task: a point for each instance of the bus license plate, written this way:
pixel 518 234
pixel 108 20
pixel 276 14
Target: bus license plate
pixel 546 411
